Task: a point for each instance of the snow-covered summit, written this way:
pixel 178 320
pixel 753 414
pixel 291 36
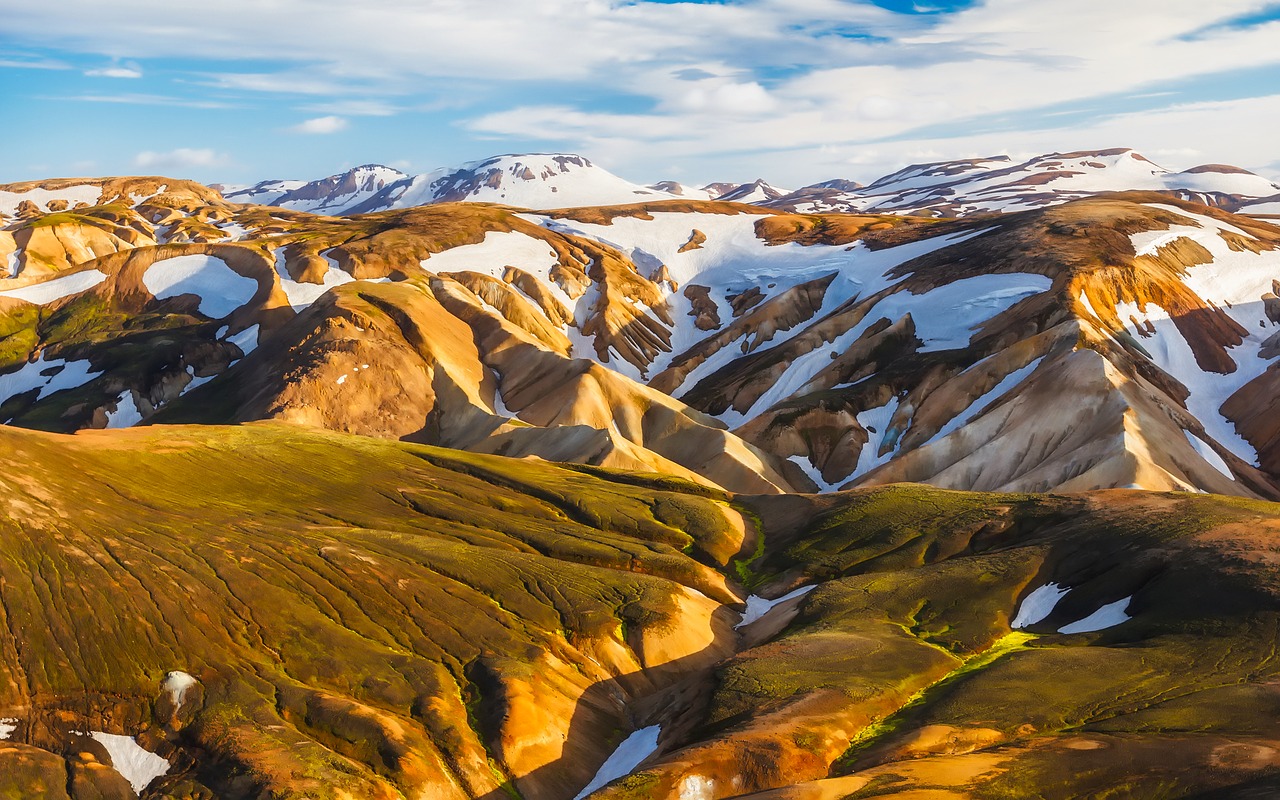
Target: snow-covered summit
pixel 999 184
pixel 332 195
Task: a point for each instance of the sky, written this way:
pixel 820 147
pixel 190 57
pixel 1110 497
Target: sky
pixel 794 91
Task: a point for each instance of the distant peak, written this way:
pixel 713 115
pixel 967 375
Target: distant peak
pixel 1219 169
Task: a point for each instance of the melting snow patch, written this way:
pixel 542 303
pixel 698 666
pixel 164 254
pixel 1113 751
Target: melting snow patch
pixel 1209 454
pixel 177 683
pixel 60 375
pixel 58 288
pixel 246 340
pixel 221 289
pixel 633 750
pixel 83 193
pixel 7 727
pixel 1109 616
pixel 126 414
pixel 1038 605
pixel 302 295
pixel 979 405
pixel 876 422
pixel 757 607
pixel 696 787
pixel 341 380
pixel 139 767
pixel 813 473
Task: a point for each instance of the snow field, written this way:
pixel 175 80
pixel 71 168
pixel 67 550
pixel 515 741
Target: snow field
pixel 57 288
pixel 758 607
pixel 221 289
pixel 139 767
pixel 634 749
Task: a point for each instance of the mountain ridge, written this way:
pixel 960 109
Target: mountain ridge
pixel 946 188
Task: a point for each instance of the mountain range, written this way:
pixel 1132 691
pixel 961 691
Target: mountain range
pixel 519 479
pixel 946 189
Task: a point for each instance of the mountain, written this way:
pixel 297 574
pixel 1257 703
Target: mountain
pixel 948 189
pixel 320 615
pixel 756 192
pixel 972 186
pixel 333 195
pixel 525 181
pixel 673 499
pixel 677 189
pixel 741 347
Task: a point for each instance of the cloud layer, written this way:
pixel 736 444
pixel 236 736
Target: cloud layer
pixel 830 85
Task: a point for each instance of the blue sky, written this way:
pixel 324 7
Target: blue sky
pixel 790 90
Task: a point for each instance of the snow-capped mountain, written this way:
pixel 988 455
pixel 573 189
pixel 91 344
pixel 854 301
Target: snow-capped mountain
pixel 336 194
pixel 536 181
pixel 959 188
pixel 757 192
pixel 680 190
pixel 948 189
pixel 678 390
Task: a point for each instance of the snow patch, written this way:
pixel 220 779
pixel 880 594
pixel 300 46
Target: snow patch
pixel 139 767
pixel 61 375
pixel 177 683
pixel 633 750
pixel 981 404
pixel 696 787
pixel 300 294
pixel 1209 454
pixel 1038 605
pixel 127 413
pixel 83 193
pixel 56 289
pixel 7 726
pixel 876 422
pixel 814 474
pixel 1109 616
pixel 246 340
pixel 758 607
pixel 221 289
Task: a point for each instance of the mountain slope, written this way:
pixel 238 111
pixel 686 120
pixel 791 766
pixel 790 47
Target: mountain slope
pixel 321 615
pixel 975 186
pixel 525 181
pixel 756 350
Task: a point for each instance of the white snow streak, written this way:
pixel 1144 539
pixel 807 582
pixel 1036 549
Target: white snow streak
pixel 633 750
pixel 47 376
pixel 126 414
pixel 177 683
pixel 1209 454
pixel 1038 605
pixel 139 767
pixel 758 607
pixel 58 288
pixel 1109 616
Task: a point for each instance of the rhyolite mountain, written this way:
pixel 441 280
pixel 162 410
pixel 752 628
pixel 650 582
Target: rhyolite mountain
pixel 1117 340
pixel 388 486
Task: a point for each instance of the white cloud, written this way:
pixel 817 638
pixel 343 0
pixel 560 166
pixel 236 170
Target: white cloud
pixel 146 100
pixel 356 108
pixel 321 125
pixel 129 70
pixel 819 80
pixel 33 63
pixel 182 158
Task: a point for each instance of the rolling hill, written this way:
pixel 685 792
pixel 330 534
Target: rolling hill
pixel 386 486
